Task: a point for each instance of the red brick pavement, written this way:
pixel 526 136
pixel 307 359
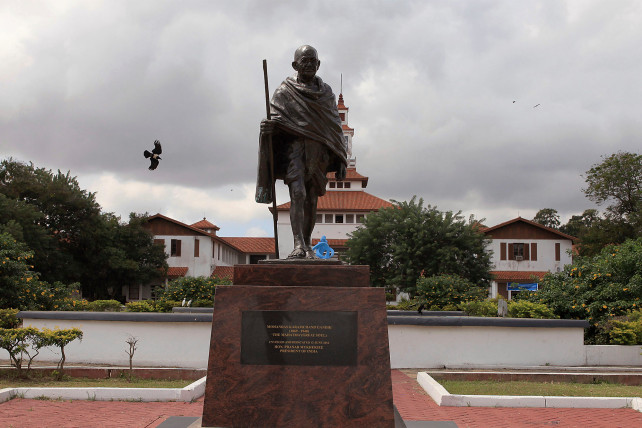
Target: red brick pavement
pixel 411 401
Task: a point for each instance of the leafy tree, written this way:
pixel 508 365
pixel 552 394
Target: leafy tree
pixel 15 270
pixel 548 217
pixel 618 180
pixel 71 240
pixel 596 288
pixel 121 254
pixel 578 225
pixel 404 241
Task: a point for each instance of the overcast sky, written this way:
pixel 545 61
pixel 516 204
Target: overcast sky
pixel 442 98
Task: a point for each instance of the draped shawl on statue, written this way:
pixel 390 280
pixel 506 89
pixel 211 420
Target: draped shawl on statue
pixel 304 112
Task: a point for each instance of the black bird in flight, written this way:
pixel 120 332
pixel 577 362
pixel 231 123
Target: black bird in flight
pixel 536 106
pixel 154 155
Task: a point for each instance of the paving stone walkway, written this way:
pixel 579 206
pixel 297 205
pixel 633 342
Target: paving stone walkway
pixel 411 401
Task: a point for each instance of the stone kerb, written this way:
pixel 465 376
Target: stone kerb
pixel 443 398
pixel 187 394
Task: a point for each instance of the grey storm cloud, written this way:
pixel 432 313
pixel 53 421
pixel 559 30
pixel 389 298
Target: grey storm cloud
pixel 441 94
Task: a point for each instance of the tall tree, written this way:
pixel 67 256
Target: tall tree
pixel 407 240
pixel 617 180
pixel 71 239
pixel 548 217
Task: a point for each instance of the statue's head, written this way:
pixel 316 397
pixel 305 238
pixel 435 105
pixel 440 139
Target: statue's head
pixel 306 62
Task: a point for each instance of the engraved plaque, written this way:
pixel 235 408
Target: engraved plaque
pixel 299 338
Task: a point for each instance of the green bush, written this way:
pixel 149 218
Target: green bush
pixel 597 288
pixel 190 288
pixel 203 303
pixel 142 306
pixel 625 333
pixel 443 291
pixel 9 318
pixel 104 306
pixel 404 305
pixel 166 305
pixel 526 309
pixel 480 308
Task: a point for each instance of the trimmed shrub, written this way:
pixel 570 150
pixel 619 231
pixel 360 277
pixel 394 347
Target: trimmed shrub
pixel 443 291
pixel 190 288
pixel 625 333
pixel 480 308
pixel 142 306
pixel 166 305
pixel 526 309
pixel 104 306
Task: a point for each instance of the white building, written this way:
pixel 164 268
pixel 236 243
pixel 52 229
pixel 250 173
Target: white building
pixel 196 250
pixel 523 252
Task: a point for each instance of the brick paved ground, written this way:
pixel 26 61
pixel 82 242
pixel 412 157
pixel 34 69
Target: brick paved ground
pixel 411 401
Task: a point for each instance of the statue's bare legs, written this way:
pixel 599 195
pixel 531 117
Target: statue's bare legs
pixel 303 213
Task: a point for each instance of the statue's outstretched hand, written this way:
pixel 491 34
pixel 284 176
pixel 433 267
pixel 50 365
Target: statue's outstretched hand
pixel 267 126
pixel 341 174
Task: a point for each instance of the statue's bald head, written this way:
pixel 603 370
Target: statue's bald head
pixel 306 50
pixel 306 63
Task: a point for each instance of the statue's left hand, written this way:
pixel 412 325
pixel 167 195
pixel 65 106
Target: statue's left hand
pixel 341 174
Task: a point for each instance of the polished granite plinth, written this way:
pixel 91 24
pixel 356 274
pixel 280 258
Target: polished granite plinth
pixel 294 374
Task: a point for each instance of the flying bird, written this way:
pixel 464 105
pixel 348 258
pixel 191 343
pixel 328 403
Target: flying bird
pixel 536 105
pixel 154 155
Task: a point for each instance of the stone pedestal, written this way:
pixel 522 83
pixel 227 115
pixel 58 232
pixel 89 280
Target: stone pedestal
pixel 290 355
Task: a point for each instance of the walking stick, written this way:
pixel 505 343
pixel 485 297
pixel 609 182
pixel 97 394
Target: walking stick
pixel 272 178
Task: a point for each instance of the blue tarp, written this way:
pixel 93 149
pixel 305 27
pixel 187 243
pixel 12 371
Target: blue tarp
pixel 514 286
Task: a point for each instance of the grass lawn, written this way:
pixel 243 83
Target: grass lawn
pixel 46 381
pixel 487 387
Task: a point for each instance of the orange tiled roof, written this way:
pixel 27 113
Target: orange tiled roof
pixel 226 272
pixel 347 128
pixel 342 200
pixel 506 275
pixel 252 245
pixel 351 174
pixel 205 224
pixel 333 243
pixel 175 272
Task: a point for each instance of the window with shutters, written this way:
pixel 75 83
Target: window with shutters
pixel 175 249
pixel 558 252
pixel 196 247
pixel 533 251
pixel 518 251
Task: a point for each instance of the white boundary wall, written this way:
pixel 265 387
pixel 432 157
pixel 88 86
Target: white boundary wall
pixel 160 344
pixel 186 344
pixel 413 346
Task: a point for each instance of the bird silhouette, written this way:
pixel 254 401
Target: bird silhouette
pixel 154 155
pixel 536 106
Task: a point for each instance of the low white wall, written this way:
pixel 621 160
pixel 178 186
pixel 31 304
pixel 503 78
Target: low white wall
pixel 186 344
pixel 413 346
pixel 613 355
pixel 160 344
